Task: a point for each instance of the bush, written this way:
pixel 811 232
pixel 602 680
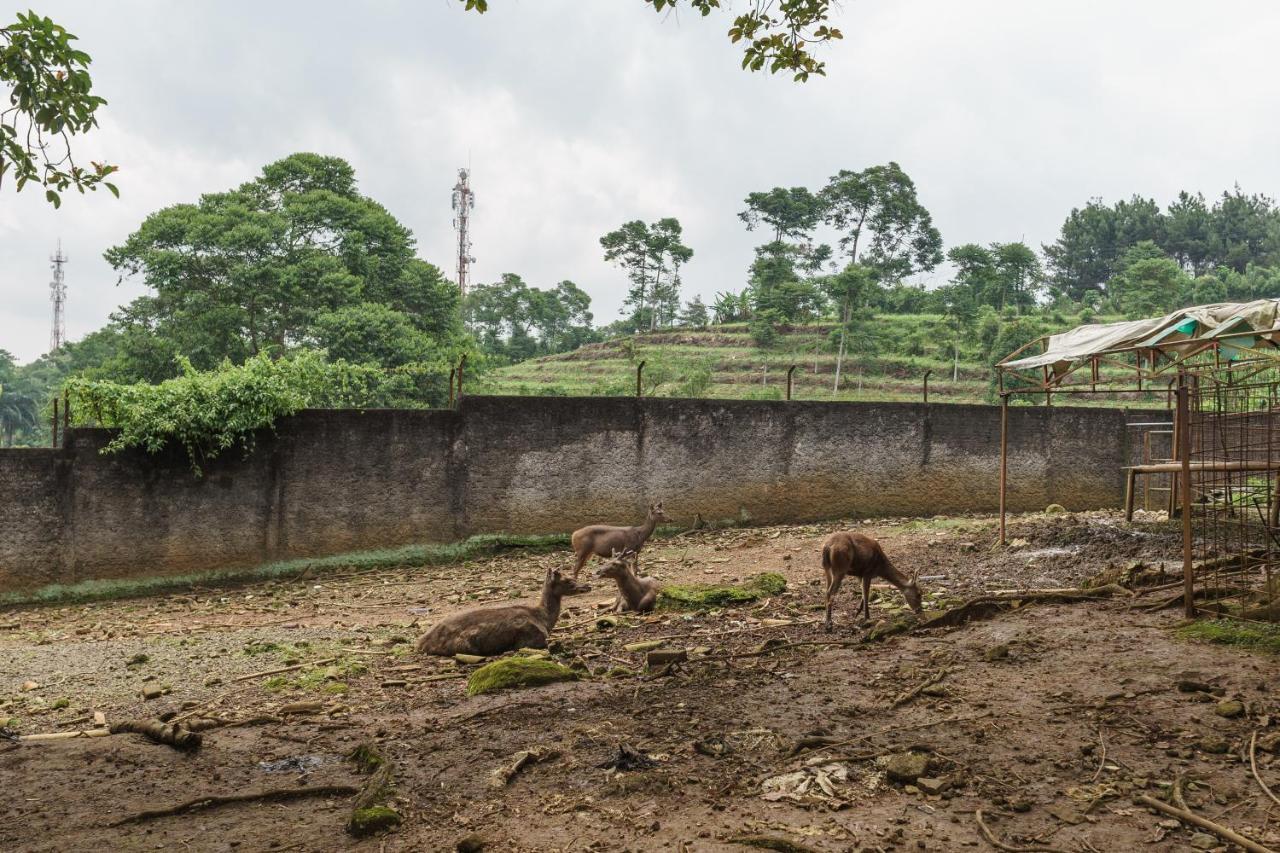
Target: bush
pixel 208 412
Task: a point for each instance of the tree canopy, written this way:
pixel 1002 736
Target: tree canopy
pixel 652 255
pixel 295 257
pixel 775 36
pixel 50 99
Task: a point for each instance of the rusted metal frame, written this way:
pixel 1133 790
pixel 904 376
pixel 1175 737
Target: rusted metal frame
pixel 639 378
pixel 1184 452
pixel 54 424
pixel 926 385
pixel 453 373
pixel 1004 459
pixel 1043 339
pixel 790 371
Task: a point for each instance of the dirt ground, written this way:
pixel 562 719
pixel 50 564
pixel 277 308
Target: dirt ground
pixel 1048 718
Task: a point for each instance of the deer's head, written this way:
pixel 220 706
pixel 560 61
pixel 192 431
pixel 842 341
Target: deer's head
pixel 561 585
pixel 911 592
pixel 656 513
pixel 619 566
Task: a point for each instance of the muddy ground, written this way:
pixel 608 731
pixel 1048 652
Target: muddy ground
pixel 1049 718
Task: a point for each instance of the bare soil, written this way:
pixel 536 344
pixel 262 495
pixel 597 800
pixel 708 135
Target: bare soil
pixel 1049 718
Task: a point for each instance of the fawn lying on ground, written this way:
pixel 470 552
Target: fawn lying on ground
pixel 634 592
pixel 848 553
pixel 494 630
pixel 604 540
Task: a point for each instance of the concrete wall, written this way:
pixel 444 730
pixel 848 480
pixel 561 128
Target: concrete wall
pixel 330 482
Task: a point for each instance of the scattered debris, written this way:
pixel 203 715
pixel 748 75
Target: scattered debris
pixel 502 776
pixel 809 786
pixel 627 758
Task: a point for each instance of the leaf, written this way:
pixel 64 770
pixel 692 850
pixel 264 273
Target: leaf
pixel 53 198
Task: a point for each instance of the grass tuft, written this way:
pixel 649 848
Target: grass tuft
pixel 512 672
pixel 1231 632
pixel 697 596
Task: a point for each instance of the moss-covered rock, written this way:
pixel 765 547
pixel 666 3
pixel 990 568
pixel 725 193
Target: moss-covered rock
pixel 698 596
pixel 513 672
pixel 373 819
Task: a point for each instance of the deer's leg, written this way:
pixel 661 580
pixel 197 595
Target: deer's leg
pixel 833 586
pixel 865 606
pixel 583 556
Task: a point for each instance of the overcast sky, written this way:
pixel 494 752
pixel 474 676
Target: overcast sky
pixel 577 115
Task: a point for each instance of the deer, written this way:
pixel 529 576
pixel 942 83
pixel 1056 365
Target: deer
pixel 603 540
pixel 849 553
pixel 494 630
pixel 634 592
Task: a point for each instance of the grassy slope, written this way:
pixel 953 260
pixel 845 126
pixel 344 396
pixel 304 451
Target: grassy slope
pixel 737 367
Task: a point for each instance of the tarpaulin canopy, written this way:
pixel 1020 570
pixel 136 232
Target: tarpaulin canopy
pixel 1180 327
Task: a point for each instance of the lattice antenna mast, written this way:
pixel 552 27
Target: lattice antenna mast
pixel 463 202
pixel 58 296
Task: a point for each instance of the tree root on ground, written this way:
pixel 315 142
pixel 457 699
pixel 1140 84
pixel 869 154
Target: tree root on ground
pixel 986 606
pixel 274 795
pixel 175 735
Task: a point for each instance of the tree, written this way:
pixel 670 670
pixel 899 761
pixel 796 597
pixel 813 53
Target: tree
pixel 777 36
pixel 850 289
pixel 885 229
pixel 516 322
pixel 652 256
pixel 1189 232
pixel 883 223
pixel 1244 230
pixel 1149 283
pixel 255 269
pixel 695 313
pixel 50 100
pixel 791 213
pixel 1019 275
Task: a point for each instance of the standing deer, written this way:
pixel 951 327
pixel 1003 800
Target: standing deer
pixel 494 630
pixel 603 540
pixel 634 592
pixel 849 553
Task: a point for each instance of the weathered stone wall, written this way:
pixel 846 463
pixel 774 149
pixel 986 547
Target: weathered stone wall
pixel 329 482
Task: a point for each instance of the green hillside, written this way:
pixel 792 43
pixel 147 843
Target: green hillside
pixel 725 362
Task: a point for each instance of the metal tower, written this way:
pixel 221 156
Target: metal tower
pixel 58 296
pixel 463 201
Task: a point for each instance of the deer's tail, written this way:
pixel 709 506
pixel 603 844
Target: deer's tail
pixel 826 556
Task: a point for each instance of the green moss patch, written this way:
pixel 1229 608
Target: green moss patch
pixel 1231 632
pixel 373 819
pixel 510 673
pixel 698 596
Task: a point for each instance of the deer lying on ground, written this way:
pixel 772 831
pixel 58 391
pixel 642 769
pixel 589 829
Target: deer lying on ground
pixel 634 592
pixel 603 540
pixel 494 630
pixel 848 553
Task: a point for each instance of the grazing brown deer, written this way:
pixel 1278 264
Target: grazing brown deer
pixel 849 553
pixel 494 630
pixel 634 592
pixel 604 540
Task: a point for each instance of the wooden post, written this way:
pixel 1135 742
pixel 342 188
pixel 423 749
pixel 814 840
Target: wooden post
pixel 1184 454
pixel 1128 493
pixel 462 363
pixel 453 373
pixel 639 374
pixel 66 412
pixel 1004 457
pixel 54 439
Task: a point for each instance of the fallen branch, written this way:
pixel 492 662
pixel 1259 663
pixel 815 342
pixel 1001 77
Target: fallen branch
pixel 989 604
pixel 175 735
pixel 1253 765
pixel 38 738
pixel 1204 823
pixel 782 647
pixel 906 697
pixel 296 666
pixel 769 842
pixel 1209 595
pixel 1102 762
pixel 1009 848
pixel 275 795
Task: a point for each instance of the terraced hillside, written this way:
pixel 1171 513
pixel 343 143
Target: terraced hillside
pixel 725 362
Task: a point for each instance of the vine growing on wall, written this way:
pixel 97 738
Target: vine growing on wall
pixel 209 412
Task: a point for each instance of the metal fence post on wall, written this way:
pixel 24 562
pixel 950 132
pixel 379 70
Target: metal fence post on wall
pixel 66 412
pixel 453 374
pixel 926 385
pixel 462 363
pixel 639 374
pixel 790 370
pixel 54 425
